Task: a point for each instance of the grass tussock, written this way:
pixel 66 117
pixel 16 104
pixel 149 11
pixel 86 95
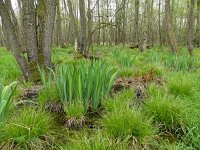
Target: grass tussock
pixel 125 122
pixel 169 114
pixel 27 129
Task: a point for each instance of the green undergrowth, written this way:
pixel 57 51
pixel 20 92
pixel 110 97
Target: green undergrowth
pixel 92 116
pixel 10 70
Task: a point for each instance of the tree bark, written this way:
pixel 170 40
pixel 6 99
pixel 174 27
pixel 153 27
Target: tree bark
pixel 29 26
pixel 191 26
pixel 59 37
pixel 170 32
pixel 13 39
pixel 48 31
pixel 159 23
pixel 198 24
pixel 89 16
pixel 73 22
pixel 143 46
pixel 83 20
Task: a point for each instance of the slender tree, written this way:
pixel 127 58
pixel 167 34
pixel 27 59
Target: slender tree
pixel 83 22
pixel 170 31
pixel 191 26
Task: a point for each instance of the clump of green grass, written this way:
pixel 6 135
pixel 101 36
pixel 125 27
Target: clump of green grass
pixel 121 100
pixel 75 110
pixel 46 78
pixel 126 61
pixel 85 81
pixel 155 90
pixel 127 123
pixel 167 111
pixel 180 63
pixel 181 85
pixel 10 70
pixel 27 129
pixel 98 141
pixel 48 95
pixel 155 57
pixel 75 115
pixel 126 72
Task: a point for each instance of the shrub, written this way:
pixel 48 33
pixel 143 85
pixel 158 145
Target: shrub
pixel 6 94
pixel 28 129
pixel 124 123
pixel 85 81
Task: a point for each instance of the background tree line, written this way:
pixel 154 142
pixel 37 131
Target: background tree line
pixel 33 26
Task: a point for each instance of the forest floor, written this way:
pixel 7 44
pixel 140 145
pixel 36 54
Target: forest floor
pixel 154 103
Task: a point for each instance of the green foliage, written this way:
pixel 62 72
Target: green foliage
pixel 181 85
pixel 125 123
pixel 6 95
pixel 121 100
pixel 28 129
pixel 126 72
pixel 126 61
pixel 10 70
pixel 182 62
pixel 75 110
pixel 166 110
pixel 155 57
pixel 155 91
pixel 48 94
pixel 46 77
pixel 97 141
pixel 85 81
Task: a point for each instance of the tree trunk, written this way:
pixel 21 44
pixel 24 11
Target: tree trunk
pixel 143 46
pixel 159 22
pixel 13 41
pixel 73 22
pixel 191 27
pixel 29 24
pixel 136 22
pixel 89 16
pixel 48 31
pixel 170 32
pixel 38 42
pixel 198 24
pixel 59 39
pixel 83 20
